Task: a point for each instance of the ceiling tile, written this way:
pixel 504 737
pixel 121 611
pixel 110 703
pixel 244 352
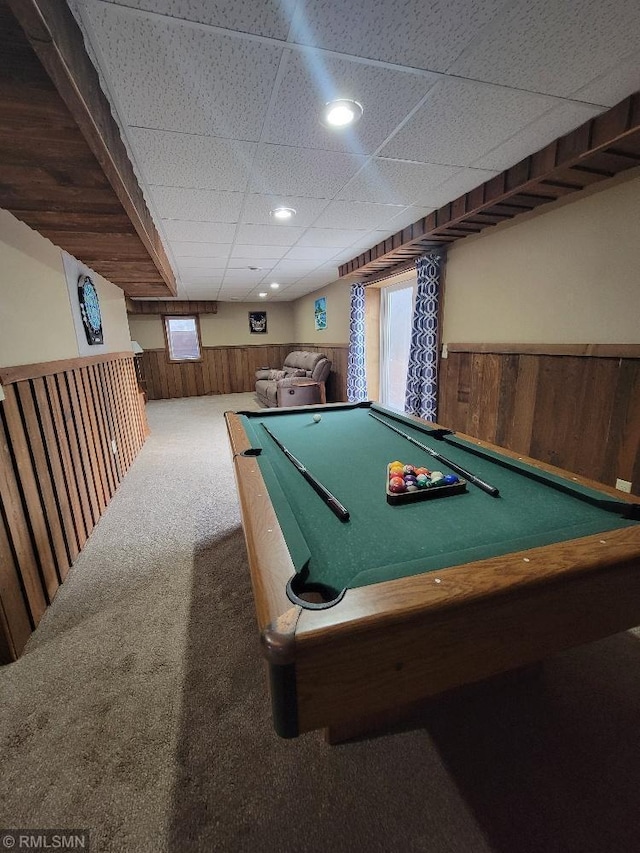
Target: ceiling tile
pixel 263 265
pixel 183 249
pixel 418 34
pixel 285 281
pixel 202 263
pixel 614 85
pixel 171 75
pixel 267 18
pixel 257 210
pixel 332 237
pixel 291 268
pixel 407 217
pixel 396 181
pixel 214 278
pixel 200 232
pixel 312 79
pixel 258 251
pixel 243 276
pixel 206 291
pixel 182 160
pixel 352 252
pixel 323 275
pixel 536 135
pixel 268 235
pixel 355 214
pixel 233 293
pixel 552 47
pixel 310 253
pixel 372 238
pixel 462 182
pixel 239 295
pixel 462 119
pixel 296 171
pixel 202 205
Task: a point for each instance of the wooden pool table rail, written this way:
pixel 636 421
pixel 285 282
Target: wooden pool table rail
pixel 483 619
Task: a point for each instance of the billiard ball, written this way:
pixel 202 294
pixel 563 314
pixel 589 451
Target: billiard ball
pixel 397 485
pixel 317 418
pixel 450 479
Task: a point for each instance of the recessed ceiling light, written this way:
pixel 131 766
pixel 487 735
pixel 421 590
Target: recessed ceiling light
pixel 342 113
pixel 283 213
pixel 274 285
pixel 262 295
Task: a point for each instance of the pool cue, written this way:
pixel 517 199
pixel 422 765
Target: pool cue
pixel 486 487
pixel 331 501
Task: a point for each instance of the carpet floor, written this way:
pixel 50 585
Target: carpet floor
pixel 139 710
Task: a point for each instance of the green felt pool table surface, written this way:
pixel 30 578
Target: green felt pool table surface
pixel 348 451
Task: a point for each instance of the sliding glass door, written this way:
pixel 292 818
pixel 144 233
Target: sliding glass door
pixel 396 312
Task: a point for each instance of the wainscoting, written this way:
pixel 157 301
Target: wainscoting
pixel 573 406
pixel 69 432
pixel 228 370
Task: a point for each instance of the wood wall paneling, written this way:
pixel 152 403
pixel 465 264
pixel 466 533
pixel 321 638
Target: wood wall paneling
pixel 230 370
pixel 58 472
pixel 580 412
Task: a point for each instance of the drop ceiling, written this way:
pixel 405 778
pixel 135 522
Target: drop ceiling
pixel 219 106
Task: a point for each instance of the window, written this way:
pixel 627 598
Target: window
pixel 396 312
pixel 183 338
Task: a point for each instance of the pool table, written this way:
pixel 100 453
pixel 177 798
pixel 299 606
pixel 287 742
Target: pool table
pixel 402 602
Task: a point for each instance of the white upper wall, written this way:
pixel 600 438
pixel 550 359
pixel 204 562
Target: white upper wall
pixel 337 295
pixel 229 327
pixel 36 322
pixel 567 274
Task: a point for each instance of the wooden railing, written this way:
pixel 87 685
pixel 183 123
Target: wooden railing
pixel 69 431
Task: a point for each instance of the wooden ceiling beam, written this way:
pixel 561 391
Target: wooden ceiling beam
pixel 593 152
pixel 176 307
pixel 61 150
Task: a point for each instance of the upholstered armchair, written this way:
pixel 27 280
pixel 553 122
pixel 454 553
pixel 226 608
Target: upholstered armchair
pixel 300 381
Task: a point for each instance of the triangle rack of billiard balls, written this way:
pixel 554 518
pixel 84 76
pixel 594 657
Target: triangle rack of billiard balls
pixel 410 483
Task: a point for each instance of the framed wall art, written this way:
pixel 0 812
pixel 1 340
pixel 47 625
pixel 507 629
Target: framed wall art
pixel 320 313
pixel 258 322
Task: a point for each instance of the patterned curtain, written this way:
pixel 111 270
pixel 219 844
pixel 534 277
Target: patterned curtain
pixel 356 373
pixel 422 379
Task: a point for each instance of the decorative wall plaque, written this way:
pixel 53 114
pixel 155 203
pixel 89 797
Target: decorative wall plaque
pixel 90 310
pixel 258 322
